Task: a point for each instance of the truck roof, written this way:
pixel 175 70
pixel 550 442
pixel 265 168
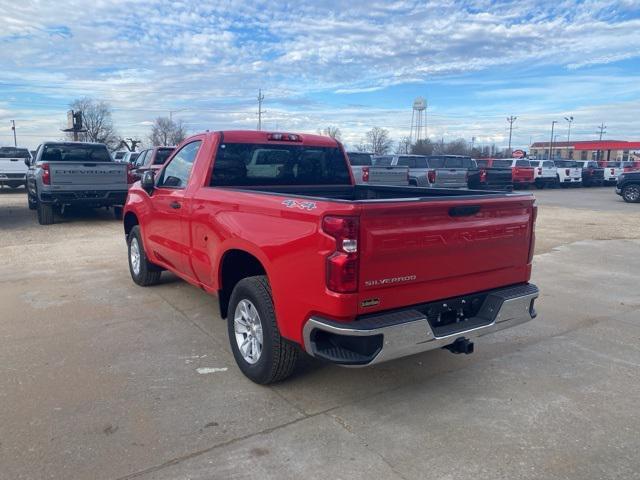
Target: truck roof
pixel 73 143
pixel 257 136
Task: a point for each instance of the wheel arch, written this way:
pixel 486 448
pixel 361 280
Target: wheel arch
pixel 235 264
pixel 130 220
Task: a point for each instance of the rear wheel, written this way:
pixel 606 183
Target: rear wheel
pixel 259 350
pixel 45 213
pixel 631 193
pixel 143 272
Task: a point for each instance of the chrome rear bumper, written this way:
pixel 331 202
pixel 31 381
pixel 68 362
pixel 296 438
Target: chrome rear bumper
pixel 378 338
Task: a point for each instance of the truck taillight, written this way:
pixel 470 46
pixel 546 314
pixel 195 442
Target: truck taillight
pixel 365 174
pixel 532 242
pixel 539 171
pixel 567 172
pixel 483 176
pixel 342 264
pixel 431 176
pixel 46 174
pixel 130 176
pixel 613 171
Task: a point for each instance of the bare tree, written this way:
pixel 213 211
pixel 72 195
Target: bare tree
pixel 422 147
pixel 379 140
pixel 165 131
pixel 96 119
pixel 333 132
pixel 457 147
pixel 404 145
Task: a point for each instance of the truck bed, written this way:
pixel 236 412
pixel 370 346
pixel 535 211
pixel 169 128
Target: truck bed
pixel 366 193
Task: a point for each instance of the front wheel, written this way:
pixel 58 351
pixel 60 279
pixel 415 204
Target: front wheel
pixel 143 272
pixel 259 350
pixel 31 202
pixel 631 193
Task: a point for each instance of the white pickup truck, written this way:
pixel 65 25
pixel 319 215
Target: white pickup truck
pixel 544 173
pixel 13 171
pixel 568 173
pixel 612 170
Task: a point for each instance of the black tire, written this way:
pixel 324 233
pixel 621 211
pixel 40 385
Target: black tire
pixel 31 202
pixel 539 185
pixel 148 273
pixel 117 213
pixel 631 193
pixel 278 358
pixel 45 213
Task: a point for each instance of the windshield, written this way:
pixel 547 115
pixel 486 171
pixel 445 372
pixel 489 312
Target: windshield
pixel 613 164
pixel 11 152
pixel 359 159
pixel 75 152
pixel 502 164
pixel 119 155
pixel 523 163
pixel 483 163
pixel 245 164
pixel 161 155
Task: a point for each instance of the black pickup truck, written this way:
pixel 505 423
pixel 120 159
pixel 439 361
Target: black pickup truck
pixel 487 177
pixel 628 187
pixel 592 173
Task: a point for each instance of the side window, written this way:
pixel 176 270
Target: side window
pixel 421 162
pixel 140 159
pixel 176 174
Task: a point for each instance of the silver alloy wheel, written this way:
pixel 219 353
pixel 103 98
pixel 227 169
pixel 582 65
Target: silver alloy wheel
pixel 248 330
pixel 632 193
pixel 134 255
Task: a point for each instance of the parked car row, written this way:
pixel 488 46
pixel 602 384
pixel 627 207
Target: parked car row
pixel 454 171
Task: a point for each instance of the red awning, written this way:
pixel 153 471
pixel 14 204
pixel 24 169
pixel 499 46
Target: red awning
pixel 607 145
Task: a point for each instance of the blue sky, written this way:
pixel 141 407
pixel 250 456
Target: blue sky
pixel 355 65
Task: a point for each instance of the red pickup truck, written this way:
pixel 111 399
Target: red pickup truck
pixel 303 259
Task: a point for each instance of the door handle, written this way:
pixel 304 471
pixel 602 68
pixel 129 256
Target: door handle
pixel 174 205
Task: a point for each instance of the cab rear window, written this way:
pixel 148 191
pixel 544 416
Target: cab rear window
pixel 360 159
pixel 243 164
pixel 75 152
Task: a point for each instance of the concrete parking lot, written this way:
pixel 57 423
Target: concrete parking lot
pixel 101 379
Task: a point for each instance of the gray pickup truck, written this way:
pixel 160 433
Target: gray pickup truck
pixel 364 171
pixel 437 171
pixel 75 173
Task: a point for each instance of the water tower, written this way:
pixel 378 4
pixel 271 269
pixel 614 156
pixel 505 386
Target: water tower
pixel 418 120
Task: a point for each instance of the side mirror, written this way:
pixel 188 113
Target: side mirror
pixel 27 162
pixel 148 181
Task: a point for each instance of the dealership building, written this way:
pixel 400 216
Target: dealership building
pixel 606 150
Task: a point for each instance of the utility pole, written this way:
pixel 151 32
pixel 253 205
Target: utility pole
pixel 260 112
pixel 511 119
pixel 551 141
pixel 13 127
pixel 602 129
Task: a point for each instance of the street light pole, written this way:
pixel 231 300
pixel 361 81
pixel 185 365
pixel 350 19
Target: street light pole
pixel 511 119
pixel 13 127
pixel 570 120
pixel 551 141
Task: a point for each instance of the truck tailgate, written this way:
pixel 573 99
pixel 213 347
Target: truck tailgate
pixel 431 250
pixel 390 175
pixel 89 175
